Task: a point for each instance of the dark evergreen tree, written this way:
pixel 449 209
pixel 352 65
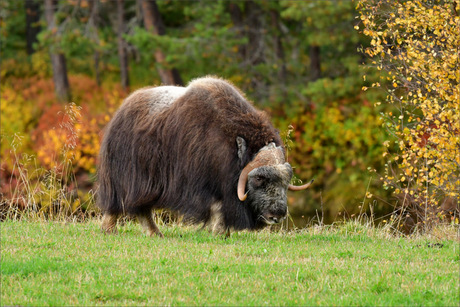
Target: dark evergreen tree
pixel 154 23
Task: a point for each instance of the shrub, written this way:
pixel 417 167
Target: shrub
pixel 48 149
pixel 416 44
pixel 335 145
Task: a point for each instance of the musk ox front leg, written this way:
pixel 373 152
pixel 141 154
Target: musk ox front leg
pixel 216 223
pixel 146 220
pixel 109 223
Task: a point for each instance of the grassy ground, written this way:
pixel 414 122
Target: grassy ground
pixel 53 263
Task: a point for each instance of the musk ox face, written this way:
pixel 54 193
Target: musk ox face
pixel 267 192
pixel 263 183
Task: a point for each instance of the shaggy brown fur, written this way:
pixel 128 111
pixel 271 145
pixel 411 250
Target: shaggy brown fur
pixel 181 156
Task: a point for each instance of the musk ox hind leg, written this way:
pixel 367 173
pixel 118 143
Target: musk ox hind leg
pixel 109 223
pixel 149 226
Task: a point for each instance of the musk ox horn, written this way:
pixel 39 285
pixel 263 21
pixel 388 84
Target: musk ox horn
pixel 300 187
pixel 269 155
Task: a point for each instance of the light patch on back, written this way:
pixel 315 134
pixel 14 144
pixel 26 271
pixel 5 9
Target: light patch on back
pixel 213 84
pixel 162 97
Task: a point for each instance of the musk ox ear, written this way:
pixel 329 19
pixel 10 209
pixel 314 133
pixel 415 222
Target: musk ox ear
pixel 241 143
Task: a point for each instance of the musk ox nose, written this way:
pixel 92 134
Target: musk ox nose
pixel 275 217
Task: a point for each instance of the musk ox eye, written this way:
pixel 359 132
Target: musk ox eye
pixel 258 180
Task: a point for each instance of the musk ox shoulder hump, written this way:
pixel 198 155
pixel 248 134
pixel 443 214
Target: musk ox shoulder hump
pixel 156 98
pixel 216 85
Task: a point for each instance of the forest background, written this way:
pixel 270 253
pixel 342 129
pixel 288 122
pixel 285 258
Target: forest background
pixel 67 65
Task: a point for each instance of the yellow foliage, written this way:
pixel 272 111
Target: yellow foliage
pixel 16 117
pixel 417 43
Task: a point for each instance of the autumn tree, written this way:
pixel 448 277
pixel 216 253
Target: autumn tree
pixel 416 45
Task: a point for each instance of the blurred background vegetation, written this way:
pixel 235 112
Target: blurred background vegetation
pixel 298 60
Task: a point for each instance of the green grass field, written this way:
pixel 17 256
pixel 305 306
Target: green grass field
pixel 57 263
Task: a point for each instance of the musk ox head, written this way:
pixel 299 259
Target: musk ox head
pixel 264 182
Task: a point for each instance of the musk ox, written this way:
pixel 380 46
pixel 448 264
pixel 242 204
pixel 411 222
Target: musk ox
pixel 202 150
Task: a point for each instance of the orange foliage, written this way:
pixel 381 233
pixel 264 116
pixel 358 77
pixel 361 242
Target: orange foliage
pixel 61 137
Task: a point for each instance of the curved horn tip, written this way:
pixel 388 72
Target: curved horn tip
pixel 300 187
pixel 243 197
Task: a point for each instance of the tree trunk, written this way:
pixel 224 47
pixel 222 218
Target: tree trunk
pixel 279 51
pixel 32 27
pixel 255 47
pixel 315 62
pixel 154 23
pixel 58 60
pixel 96 68
pixel 94 23
pixel 122 55
pixel 237 18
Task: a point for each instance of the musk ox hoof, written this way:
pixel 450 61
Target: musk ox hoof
pixel 219 231
pixel 113 231
pixel 153 234
pixel 149 226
